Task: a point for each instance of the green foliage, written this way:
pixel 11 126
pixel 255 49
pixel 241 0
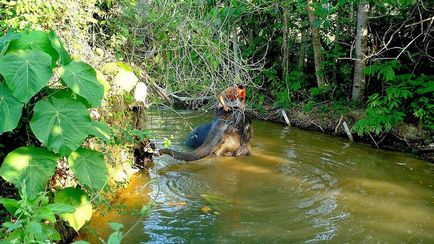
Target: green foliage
pixel 78 199
pixel 286 92
pixel 336 109
pixel 29 164
pixel 405 97
pixel 81 78
pixel 128 135
pixel 61 124
pixel 423 104
pixel 116 236
pixel 101 130
pixel 384 71
pixel 64 57
pixel 34 40
pixel 166 142
pixel 26 72
pixel 60 121
pixel 5 41
pixel 33 218
pixel 89 167
pixel 308 106
pixel 379 118
pixel 10 108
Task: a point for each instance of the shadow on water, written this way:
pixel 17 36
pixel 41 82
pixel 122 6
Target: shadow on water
pixel 296 186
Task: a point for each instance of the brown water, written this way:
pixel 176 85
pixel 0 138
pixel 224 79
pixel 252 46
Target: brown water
pixel 297 186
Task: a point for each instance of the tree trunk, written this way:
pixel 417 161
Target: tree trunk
pixel 285 48
pixel 316 42
pixel 301 54
pixel 235 50
pixel 337 48
pixel 361 43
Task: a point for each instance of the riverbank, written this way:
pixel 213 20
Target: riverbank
pixel 403 138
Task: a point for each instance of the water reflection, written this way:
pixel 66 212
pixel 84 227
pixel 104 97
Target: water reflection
pixel 296 186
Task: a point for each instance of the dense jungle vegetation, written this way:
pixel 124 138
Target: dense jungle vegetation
pixel 62 63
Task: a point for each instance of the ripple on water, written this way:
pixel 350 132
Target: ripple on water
pixel 315 193
pixel 183 186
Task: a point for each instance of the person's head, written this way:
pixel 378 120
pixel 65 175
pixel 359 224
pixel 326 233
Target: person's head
pixel 241 90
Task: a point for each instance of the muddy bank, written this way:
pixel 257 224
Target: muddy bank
pixel 404 138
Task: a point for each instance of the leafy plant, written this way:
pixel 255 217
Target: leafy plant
pixel 29 164
pixel 294 84
pixel 33 219
pixel 404 97
pixel 60 120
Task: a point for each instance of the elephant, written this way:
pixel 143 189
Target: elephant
pixel 196 138
pixel 229 134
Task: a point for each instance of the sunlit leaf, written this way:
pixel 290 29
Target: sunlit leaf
pixel 31 164
pixel 26 72
pixel 81 78
pixel 34 40
pixel 79 200
pixel 89 167
pixel 61 124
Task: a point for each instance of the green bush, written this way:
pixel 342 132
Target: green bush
pixel 60 119
pixel 34 218
pixel 405 98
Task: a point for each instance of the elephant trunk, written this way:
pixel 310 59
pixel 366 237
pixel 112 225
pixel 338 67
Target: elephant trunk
pixel 190 156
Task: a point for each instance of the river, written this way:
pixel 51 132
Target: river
pixel 296 186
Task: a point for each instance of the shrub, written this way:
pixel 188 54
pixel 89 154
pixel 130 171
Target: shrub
pixel 405 97
pixel 58 118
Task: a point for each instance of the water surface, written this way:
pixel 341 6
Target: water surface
pixel 296 186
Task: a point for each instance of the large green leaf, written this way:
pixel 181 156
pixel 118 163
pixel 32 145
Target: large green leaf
pixel 35 40
pixel 32 165
pixel 26 72
pixel 81 78
pixel 79 200
pixel 10 110
pixel 61 124
pixel 89 167
pixel 58 45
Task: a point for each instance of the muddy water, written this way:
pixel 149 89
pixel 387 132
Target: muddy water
pixel 296 186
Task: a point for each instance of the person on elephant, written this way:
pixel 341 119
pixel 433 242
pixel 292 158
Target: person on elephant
pixel 232 96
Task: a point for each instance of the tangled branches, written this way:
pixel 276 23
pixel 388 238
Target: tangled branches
pixel 186 48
